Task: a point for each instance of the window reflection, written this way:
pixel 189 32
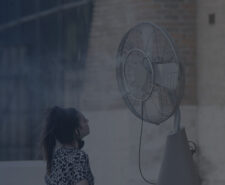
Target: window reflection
pixel 36 56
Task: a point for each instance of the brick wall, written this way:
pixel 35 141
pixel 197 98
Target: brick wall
pixel 113 142
pixel 111 20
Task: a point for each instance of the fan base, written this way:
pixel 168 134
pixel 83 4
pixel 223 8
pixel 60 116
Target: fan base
pixel 178 167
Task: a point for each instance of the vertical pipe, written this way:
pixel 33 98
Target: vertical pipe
pixel 177 120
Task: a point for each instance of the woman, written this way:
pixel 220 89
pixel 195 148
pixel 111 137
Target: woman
pixel 68 164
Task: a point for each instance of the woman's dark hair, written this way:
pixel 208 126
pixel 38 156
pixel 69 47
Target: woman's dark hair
pixel 61 124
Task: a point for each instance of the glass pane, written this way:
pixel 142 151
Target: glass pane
pixel 69 1
pixel 9 11
pixel 28 7
pixel 44 5
pixel 3 12
pixel 75 38
pixel 49 35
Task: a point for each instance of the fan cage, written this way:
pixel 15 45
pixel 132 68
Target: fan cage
pixel 121 83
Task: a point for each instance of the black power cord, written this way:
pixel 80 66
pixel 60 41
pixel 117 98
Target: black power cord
pixel 139 152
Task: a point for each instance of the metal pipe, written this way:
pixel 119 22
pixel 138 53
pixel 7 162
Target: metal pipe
pixel 177 120
pixel 42 14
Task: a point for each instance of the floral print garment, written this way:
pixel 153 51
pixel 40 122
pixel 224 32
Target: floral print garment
pixel 69 166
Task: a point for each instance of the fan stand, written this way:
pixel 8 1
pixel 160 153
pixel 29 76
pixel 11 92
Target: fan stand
pixel 177 120
pixel 178 167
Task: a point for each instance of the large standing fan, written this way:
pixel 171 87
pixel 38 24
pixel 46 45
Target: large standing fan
pixel 151 80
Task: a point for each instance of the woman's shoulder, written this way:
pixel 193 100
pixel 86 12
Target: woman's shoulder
pixel 74 150
pixel 73 154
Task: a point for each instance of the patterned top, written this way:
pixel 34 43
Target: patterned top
pixel 69 166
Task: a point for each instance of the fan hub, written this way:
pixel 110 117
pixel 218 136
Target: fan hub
pixel 138 75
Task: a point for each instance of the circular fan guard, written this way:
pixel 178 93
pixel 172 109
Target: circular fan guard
pixel 149 73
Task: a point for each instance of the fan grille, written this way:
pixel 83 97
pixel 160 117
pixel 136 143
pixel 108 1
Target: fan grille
pixel 149 73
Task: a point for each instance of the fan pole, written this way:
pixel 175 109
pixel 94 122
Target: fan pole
pixel 178 167
pixel 177 120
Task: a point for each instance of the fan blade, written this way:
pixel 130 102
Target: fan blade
pixel 166 98
pixel 166 75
